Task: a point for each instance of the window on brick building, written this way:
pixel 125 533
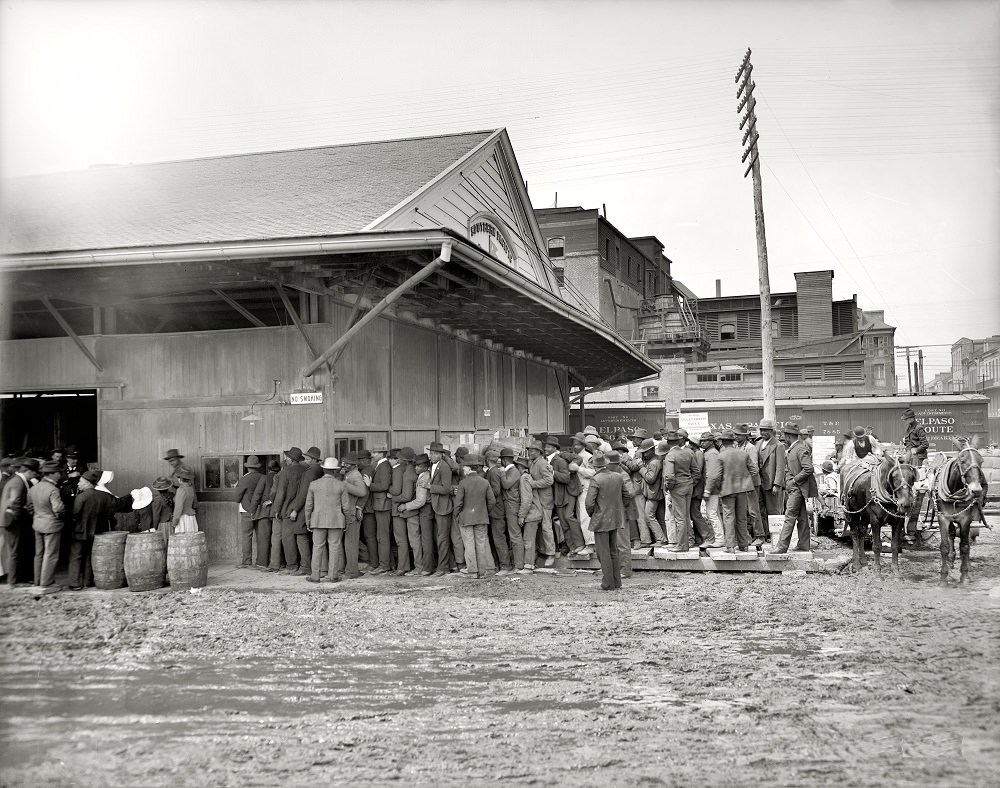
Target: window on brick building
pixel 878 373
pixel 557 247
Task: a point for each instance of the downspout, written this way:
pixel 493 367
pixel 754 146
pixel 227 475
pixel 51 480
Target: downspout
pixel 439 261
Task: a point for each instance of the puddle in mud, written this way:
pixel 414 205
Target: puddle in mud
pixel 37 705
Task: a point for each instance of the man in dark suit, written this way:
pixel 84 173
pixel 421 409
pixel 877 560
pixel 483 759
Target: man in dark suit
pixel 800 485
pixel 678 483
pixel 441 503
pixel 17 512
pixel 312 459
pixel 286 486
pixel 606 503
pixel 739 477
pixel 771 463
pixel 248 494
pixel 381 505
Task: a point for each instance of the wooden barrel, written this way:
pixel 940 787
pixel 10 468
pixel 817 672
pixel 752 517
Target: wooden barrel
pixel 145 561
pixel 107 558
pixel 187 561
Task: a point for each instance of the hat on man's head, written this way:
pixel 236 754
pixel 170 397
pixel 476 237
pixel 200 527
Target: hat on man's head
pixel 160 483
pixel 810 429
pixel 460 452
pixel 858 432
pixel 522 461
pixel 909 415
pixel 381 448
pixel 406 454
pixel 141 498
pixel 599 460
pixel 314 452
pixel 551 440
pixel 767 424
pixel 364 454
pixel 49 466
pixel 507 451
pixel 173 454
pixel 671 436
pixel 294 454
pixel 421 459
pixel 95 476
pixel 647 445
pixel 682 433
pixel 618 445
pixel 473 461
pixel 707 436
pixel 253 461
pixel 6 462
pixel 827 466
pixel 590 430
pixel 614 458
pixel 790 428
pixel 393 454
pixel 27 463
pixel 331 464
pixel 491 454
pixel 186 476
pixel 741 429
pixel 436 446
pixel 71 451
pixel 591 439
pixel 727 435
pixel 580 438
pixel 662 447
pixel 640 433
pixel 351 458
pixel 537 446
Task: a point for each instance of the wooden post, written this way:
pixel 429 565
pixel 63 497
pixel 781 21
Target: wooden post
pixel 909 372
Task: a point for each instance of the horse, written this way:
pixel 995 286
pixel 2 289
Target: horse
pixel 877 496
pixel 959 498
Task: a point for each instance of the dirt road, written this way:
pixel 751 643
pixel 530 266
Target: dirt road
pixel 678 679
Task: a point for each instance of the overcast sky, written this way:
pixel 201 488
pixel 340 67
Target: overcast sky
pixel 879 121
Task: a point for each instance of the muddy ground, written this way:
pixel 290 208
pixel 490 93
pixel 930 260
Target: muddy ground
pixel 678 679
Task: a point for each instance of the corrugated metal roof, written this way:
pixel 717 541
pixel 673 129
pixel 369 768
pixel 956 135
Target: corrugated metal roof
pixel 280 194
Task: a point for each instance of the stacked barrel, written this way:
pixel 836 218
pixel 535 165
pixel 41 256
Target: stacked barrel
pixel 147 561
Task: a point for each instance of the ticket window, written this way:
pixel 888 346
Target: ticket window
pixel 346 445
pixel 223 472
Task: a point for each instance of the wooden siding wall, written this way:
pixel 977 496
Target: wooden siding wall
pixel 399 382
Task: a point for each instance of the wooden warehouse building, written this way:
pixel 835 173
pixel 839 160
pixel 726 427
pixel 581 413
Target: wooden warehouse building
pixel 389 292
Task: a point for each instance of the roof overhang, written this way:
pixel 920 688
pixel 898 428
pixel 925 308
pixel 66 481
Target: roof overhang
pixel 474 293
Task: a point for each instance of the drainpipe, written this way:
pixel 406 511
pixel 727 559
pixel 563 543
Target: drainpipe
pixel 379 308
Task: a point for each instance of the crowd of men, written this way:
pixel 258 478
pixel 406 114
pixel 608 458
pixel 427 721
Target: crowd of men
pixel 399 513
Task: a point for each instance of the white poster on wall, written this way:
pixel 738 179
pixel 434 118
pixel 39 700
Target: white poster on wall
pixel 694 423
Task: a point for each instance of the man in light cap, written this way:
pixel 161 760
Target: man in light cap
pixel 542 481
pixel 771 466
pixel 326 507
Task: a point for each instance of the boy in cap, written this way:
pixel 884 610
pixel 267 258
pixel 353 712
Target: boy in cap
pixel 472 511
pixel 325 510
pixel 47 522
pixel 606 501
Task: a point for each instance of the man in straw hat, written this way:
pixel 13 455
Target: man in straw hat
pixel 325 510
pixel 249 494
pixel 47 522
pixel 800 485
pixel 472 511
pixel 606 502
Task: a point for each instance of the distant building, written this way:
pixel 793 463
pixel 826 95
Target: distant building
pixel 975 368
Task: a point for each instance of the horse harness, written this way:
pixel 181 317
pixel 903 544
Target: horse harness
pixel 943 493
pixel 879 494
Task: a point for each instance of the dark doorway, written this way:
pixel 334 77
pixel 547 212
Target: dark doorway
pixel 33 423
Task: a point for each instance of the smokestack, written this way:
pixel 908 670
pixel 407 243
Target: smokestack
pixel 604 208
pixel 718 288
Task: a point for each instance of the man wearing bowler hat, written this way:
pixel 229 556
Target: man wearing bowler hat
pixel 771 466
pixel 249 494
pixel 286 487
pixel 174 458
pixel 800 485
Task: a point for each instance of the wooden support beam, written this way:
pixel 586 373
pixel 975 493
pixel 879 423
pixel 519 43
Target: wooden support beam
pixel 250 316
pixel 298 324
pixel 72 334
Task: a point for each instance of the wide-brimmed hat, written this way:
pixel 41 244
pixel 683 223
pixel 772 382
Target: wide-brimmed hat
pixel 613 457
pixel 71 451
pixel 858 432
pixel 460 452
pixel 253 461
pixel 421 459
pixel 393 454
pixel 551 440
pixel 472 460
pixel 406 454
pixel 436 446
pixel 590 438
pixel 767 424
pixel 591 430
pixel 314 452
pixel 364 454
pixel 381 448
pixel 599 460
pixel 580 438
pixel 810 429
pixel 159 483
pixel 294 454
pixel 682 433
pixel 330 464
pixel 662 447
pixel 491 454
pixel 790 428
pixel 351 458
pixel 95 476
pixel 827 466
pixel 141 498
pixel 618 445
pixel 727 435
pixel 640 433
pixel 521 460
pixel 707 436
pixel 648 444
pixel 173 454
pixel 671 436
pixel 49 466
pixel 537 446
pixel 908 415
pixel 507 451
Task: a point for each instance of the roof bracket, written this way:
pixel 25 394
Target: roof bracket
pixel 71 333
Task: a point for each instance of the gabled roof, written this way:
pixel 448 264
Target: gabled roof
pixel 281 194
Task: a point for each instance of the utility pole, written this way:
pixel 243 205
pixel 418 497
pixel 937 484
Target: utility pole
pixel 745 93
pixel 909 372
